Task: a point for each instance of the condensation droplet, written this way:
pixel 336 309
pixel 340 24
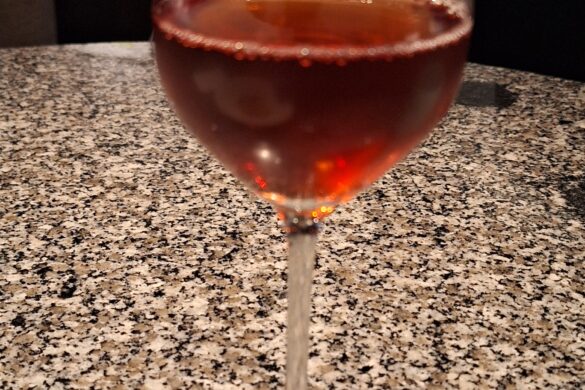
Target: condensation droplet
pixel 305 51
pixel 238 45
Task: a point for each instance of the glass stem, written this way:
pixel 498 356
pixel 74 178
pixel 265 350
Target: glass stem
pixel 302 239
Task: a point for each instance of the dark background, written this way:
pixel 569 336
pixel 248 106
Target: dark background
pixel 543 36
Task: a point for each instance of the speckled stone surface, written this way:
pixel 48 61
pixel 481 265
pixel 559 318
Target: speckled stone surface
pixel 130 259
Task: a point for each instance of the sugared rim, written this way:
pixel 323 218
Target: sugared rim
pixel 249 49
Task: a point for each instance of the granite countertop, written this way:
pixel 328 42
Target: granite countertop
pixel 130 259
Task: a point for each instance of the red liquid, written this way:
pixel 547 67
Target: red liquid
pixel 309 101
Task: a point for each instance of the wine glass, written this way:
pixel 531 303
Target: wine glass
pixel 308 102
